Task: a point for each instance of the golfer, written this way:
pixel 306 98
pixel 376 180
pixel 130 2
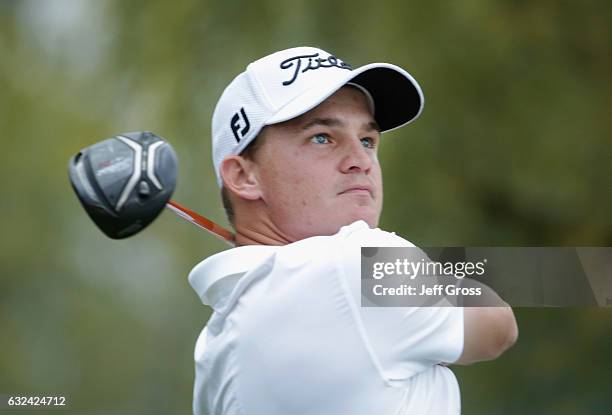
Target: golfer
pixel 295 140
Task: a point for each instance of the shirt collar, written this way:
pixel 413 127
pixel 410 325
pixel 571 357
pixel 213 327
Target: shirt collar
pixel 215 277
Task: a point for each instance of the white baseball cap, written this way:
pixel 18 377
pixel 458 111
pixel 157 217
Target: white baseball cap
pixel 289 83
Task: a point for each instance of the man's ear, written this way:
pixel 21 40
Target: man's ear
pixel 239 177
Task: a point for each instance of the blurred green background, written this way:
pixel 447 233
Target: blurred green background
pixel 513 148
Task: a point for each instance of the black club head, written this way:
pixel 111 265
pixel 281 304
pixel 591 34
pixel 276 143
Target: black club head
pixel 124 182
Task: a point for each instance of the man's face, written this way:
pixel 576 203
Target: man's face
pixel 320 171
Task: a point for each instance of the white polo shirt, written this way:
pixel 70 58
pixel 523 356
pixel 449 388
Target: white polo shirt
pixel 288 335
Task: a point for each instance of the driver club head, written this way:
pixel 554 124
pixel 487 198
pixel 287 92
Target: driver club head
pixel 124 182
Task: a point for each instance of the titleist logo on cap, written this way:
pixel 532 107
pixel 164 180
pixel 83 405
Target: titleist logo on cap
pixel 312 62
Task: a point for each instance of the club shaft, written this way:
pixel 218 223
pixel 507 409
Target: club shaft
pixel 202 222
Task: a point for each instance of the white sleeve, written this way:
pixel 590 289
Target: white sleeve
pixel 404 340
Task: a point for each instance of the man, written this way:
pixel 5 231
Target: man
pixel 295 141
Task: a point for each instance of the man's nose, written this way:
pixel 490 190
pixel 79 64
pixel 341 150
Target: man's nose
pixel 356 158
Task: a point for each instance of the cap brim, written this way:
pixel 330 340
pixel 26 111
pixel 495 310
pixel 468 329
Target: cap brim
pixel 397 96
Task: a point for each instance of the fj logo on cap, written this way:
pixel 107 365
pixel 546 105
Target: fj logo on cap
pixel 240 124
pixel 311 62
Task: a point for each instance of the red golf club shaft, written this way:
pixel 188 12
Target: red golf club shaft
pixel 202 222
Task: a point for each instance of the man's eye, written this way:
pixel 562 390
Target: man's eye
pixel 320 139
pixel 368 142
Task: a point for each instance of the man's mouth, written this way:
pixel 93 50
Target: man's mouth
pixel 358 190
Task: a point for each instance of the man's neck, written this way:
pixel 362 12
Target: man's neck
pixel 265 233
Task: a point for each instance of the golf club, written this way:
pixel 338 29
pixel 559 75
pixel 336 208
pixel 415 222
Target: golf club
pixel 124 183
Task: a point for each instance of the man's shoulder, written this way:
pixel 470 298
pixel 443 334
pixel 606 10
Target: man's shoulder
pixel 360 233
pixel 320 252
pixel 353 236
pixel 244 258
